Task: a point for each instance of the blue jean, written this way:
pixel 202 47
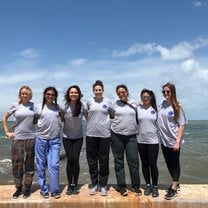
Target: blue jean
pixel 47 154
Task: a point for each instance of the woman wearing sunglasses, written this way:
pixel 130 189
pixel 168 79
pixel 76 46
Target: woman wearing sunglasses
pixel 147 141
pixel 171 122
pixel 48 142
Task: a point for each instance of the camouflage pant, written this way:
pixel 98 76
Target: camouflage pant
pixel 23 161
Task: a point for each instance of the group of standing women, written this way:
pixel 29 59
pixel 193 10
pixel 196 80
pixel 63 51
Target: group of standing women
pixel 125 126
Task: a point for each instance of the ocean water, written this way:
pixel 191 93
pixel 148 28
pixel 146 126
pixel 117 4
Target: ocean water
pixel 194 159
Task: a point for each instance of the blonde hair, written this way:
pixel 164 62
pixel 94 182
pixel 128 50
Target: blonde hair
pixel 27 88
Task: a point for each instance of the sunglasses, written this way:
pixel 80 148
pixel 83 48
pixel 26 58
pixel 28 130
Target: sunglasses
pixel 50 94
pixel 145 97
pixel 166 91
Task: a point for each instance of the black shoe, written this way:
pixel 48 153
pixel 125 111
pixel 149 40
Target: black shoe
pixel 70 190
pixel 56 195
pixel 178 188
pixel 123 191
pixel 17 193
pixel 137 190
pixel 76 190
pixel 27 193
pixel 155 192
pixel 45 195
pixel 171 194
pixel 147 190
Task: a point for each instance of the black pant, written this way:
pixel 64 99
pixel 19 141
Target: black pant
pixel 122 145
pixel 98 159
pixel 172 159
pixel 72 148
pixel 149 154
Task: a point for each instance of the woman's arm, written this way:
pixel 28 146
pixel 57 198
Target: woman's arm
pixel 176 146
pixel 5 126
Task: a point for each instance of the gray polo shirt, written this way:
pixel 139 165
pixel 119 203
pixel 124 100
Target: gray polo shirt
pixel 124 122
pixel 23 126
pixel 49 122
pixel 168 127
pixel 147 127
pixel 98 122
pixel 73 125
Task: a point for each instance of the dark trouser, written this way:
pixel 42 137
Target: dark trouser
pixel 72 148
pixel 149 154
pixel 23 158
pixel 119 144
pixel 98 159
pixel 172 159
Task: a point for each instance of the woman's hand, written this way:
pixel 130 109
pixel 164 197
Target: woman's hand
pixel 9 135
pixel 176 146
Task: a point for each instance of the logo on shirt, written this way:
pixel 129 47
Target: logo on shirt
pixel 170 113
pixel 105 106
pixel 31 108
pixel 152 112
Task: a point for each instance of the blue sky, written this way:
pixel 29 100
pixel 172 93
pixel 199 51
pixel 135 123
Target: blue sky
pixel 141 43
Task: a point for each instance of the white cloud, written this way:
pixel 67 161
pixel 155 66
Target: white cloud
pixel 180 51
pixel 77 62
pixel 20 77
pixel 199 3
pixel 190 76
pixel 192 67
pixel 177 52
pixel 29 53
pixel 189 65
pixel 137 48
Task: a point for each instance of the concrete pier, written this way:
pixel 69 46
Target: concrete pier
pixel 190 196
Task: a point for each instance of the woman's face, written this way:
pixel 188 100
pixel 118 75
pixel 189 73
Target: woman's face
pixel 166 93
pixel 73 94
pixel 50 96
pixel 122 94
pixel 146 99
pixel 98 91
pixel 25 95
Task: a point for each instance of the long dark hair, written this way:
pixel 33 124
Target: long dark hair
pixel 45 92
pixel 174 101
pixel 153 102
pixel 78 105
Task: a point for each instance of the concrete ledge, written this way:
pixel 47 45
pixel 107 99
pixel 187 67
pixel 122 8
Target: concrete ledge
pixel 190 196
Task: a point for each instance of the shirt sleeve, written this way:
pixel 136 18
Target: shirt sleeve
pixel 182 117
pixel 13 108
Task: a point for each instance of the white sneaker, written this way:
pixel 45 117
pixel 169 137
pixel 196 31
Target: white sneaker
pixel 94 190
pixel 103 191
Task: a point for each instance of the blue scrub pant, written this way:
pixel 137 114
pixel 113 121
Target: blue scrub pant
pixel 47 154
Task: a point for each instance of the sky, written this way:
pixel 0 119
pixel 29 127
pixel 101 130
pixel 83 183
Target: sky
pixel 139 43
